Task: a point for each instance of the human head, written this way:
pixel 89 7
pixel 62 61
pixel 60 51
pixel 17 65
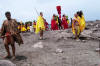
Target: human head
pixel 78 13
pixel 54 15
pixel 41 14
pixel 63 15
pixel 75 14
pixel 81 13
pixel 8 15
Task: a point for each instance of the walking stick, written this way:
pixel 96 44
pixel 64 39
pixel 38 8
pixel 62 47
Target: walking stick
pixel 36 11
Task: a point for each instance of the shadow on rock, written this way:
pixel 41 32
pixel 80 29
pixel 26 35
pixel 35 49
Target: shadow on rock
pixel 25 34
pixel 19 58
pixel 83 38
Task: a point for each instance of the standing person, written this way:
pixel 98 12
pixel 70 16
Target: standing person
pixel 23 29
pixel 19 27
pixel 71 21
pixel 46 25
pixel 34 25
pixel 28 27
pixel 67 20
pixel 40 25
pixel 64 22
pixel 82 20
pixel 31 28
pixel 54 23
pixel 59 23
pixel 10 34
pixel 76 26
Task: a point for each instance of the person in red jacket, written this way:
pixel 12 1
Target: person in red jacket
pixel 46 25
pixel 54 23
pixel 64 22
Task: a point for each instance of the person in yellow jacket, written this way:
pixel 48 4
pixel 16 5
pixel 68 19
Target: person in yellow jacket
pixel 76 26
pixel 23 29
pixel 40 25
pixel 34 26
pixel 28 27
pixel 82 21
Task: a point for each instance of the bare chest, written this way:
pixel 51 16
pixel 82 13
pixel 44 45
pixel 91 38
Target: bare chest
pixel 9 23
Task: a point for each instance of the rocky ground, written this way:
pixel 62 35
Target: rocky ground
pixel 58 48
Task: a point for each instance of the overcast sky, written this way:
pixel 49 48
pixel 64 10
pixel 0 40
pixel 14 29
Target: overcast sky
pixel 25 10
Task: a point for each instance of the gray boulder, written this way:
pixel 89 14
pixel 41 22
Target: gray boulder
pixel 6 63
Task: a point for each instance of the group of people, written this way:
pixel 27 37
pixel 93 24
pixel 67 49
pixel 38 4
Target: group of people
pixel 23 27
pixel 10 31
pixel 57 23
pixel 30 27
pixel 78 24
pixel 27 27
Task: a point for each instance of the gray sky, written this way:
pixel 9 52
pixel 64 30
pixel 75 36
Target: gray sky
pixel 25 10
